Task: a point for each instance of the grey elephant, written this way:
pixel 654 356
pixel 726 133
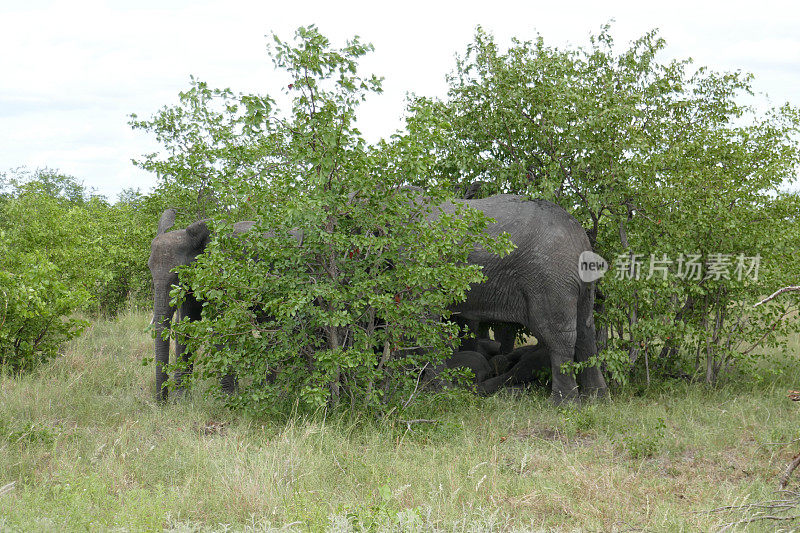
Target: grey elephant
pixel 487 347
pixel 537 285
pixel 169 250
pixel 523 366
pixel 469 360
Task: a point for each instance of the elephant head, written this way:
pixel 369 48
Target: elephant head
pixel 170 249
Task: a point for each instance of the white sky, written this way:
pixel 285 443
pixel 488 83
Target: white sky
pixel 72 71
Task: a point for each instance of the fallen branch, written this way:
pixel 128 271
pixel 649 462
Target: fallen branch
pixel 772 504
pixel 5 489
pixel 759 517
pixel 777 510
pixel 776 293
pixel 789 469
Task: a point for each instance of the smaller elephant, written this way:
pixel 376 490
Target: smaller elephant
pixel 505 335
pixel 472 360
pixel 501 363
pixel 487 347
pixel 526 364
pixel 469 359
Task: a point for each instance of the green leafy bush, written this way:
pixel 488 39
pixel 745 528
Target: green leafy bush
pixel 647 443
pixel 96 246
pixel 36 309
pixel 335 297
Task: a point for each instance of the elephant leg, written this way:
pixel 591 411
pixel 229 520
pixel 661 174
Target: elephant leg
pixel 506 335
pixel 593 384
pixel 470 340
pixel 552 318
pixel 562 350
pixel 229 383
pixel 182 356
pixel 492 385
pixel 190 309
pixel 561 346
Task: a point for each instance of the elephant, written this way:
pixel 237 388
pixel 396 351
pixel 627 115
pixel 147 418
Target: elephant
pixel 526 364
pixel 471 360
pixel 474 361
pixel 486 347
pixel 505 335
pixel 169 250
pixel 537 285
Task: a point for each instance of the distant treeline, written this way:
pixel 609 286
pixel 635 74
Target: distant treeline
pixel 65 252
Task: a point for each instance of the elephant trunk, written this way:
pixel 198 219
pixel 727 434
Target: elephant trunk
pixel 162 318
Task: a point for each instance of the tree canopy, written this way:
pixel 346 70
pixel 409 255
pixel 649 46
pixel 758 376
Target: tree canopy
pixel 658 160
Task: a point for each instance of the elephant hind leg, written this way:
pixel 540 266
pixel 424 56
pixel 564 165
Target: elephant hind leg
pixel 552 319
pixel 591 379
pixel 561 346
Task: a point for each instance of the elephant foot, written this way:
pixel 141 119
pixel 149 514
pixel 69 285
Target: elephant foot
pixel 594 393
pixel 592 382
pixel 229 384
pixel 570 397
pixel 178 394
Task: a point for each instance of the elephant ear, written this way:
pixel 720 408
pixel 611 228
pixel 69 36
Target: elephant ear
pixel 198 234
pixel 167 220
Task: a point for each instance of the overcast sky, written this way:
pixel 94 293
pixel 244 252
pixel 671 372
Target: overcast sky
pixel 72 71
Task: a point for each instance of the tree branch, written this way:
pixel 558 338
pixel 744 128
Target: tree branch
pixel 778 292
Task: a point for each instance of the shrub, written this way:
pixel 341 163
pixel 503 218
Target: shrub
pixel 36 309
pixel 341 303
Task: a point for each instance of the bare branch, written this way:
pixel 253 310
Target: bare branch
pixel 776 293
pixel 789 469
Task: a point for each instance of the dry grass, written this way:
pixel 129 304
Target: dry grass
pixel 86 448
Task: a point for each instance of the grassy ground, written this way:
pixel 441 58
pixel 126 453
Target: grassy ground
pixel 86 448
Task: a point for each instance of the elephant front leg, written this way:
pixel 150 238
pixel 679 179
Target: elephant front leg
pixel 190 309
pixel 185 366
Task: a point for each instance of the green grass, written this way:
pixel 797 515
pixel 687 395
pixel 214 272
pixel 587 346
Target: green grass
pixel 88 449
